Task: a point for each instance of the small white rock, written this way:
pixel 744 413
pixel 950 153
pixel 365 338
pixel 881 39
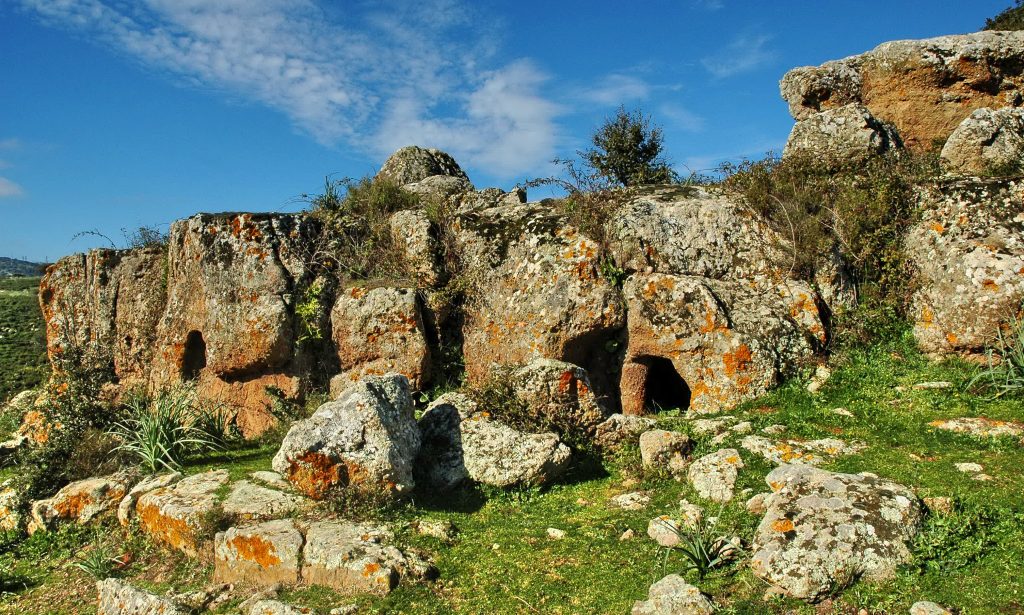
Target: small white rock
pixel 555 534
pixel 969 467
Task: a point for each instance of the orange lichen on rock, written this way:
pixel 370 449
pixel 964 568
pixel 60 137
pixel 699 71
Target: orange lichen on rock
pixel 256 550
pixel 783 525
pixel 170 530
pixel 315 474
pixel 738 360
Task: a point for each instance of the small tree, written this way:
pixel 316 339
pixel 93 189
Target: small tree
pixel 627 151
pixel 1010 19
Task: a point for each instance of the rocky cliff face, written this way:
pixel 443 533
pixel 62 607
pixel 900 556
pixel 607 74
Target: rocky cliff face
pixel 924 88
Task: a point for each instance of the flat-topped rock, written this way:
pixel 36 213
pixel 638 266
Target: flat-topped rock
pixel 174 515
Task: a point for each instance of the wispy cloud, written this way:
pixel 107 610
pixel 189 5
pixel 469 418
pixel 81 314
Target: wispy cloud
pixel 617 89
pixel 745 53
pixel 10 189
pixel 404 71
pixel 681 118
pixel 708 5
pixel 10 143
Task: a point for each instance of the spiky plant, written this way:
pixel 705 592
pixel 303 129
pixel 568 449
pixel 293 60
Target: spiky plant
pixel 1004 370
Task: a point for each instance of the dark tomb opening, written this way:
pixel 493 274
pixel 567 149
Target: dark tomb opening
pixel 664 388
pixel 195 356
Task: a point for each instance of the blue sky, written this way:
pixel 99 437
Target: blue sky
pixel 120 113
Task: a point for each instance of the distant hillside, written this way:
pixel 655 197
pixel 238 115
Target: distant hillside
pixel 13 266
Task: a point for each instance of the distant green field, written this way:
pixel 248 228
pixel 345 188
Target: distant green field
pixel 22 337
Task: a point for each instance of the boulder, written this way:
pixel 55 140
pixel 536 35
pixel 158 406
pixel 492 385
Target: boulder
pixel 672 595
pixel 634 500
pixel 415 236
pixel 968 250
pixel 354 558
pixel 804 452
pixel 664 530
pixel 412 164
pixel 621 429
pixel 175 515
pixel 367 439
pixel 119 598
pixel 924 88
pixel 540 292
pixel 928 608
pixel 664 450
pixel 79 502
pixel 559 394
pixel 823 530
pixel 253 502
pixel 714 476
pixel 988 141
pixel 841 137
pixel 126 507
pixel 981 427
pixel 378 331
pixel 261 554
pixel 461 443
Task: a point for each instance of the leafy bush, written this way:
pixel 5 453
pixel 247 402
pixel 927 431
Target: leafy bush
pixel 1011 18
pixel 862 214
pixel 159 434
pixel 628 151
pixel 356 241
pixel 1004 370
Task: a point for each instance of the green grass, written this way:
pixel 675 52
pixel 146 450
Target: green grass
pixel 503 561
pixel 22 337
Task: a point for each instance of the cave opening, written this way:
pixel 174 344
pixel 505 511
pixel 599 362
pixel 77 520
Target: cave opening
pixel 195 356
pixel 664 388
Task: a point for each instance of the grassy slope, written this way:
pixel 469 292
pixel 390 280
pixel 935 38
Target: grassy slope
pixel 503 561
pixel 22 342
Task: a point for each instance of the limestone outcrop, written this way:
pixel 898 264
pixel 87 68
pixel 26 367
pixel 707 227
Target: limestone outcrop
pixel 924 88
pixel 968 249
pixel 987 142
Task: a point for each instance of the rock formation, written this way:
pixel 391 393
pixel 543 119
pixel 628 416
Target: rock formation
pixel 924 88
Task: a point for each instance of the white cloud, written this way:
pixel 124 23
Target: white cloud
pixel 617 89
pixel 744 53
pixel 9 189
pixel 708 5
pixel 343 73
pixel 10 143
pixel 680 118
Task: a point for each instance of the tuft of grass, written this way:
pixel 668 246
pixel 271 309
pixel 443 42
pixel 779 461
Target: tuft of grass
pixel 97 559
pixel 161 433
pixel 1004 371
pixel 702 548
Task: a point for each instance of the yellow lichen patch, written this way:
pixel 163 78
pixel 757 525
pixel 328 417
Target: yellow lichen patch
pixel 927 316
pixel 990 285
pixel 952 339
pixel 173 531
pixel 72 506
pixel 783 525
pixel 938 228
pixel 255 549
pixel 733 459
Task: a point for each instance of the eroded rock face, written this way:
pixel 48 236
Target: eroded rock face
pixel 840 137
pixel 987 141
pixel 126 508
pixel 719 342
pixel 460 443
pixel 968 249
pixel 175 515
pixel 377 331
pixel 413 164
pixel 672 595
pixel 924 88
pixel 107 303
pixel 261 554
pixel 229 319
pixel 712 318
pixel 80 502
pixel 366 439
pixel 822 530
pixel 541 291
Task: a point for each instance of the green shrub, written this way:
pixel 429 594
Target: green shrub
pixel 863 214
pixel 356 241
pixel 1011 18
pixel 628 151
pixel 701 548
